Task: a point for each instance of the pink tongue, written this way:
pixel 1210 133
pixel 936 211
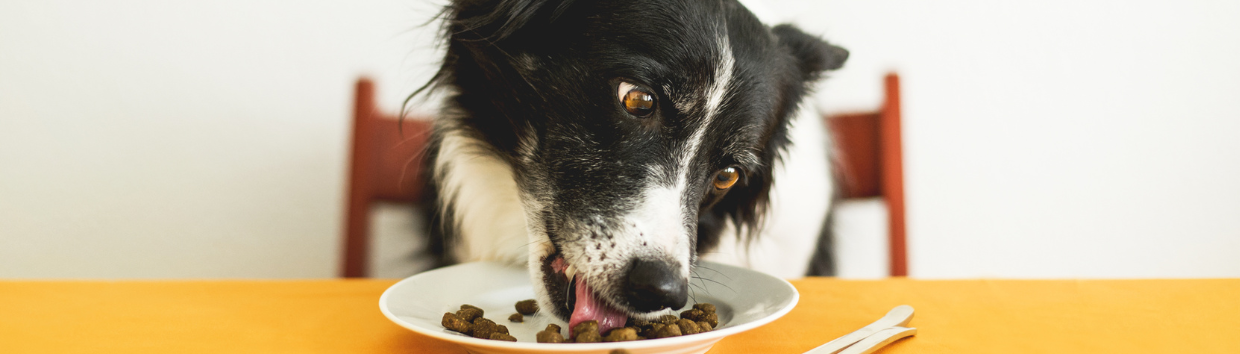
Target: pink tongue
pixel 588 308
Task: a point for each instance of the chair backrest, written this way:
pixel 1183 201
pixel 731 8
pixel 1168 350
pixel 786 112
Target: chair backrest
pixel 871 164
pixel 385 165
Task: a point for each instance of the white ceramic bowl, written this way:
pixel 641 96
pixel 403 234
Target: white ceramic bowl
pixel 744 299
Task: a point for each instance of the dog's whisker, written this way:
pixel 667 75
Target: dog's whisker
pixel 713 270
pixel 716 282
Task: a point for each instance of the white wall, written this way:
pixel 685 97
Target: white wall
pixel 187 139
pixel 1043 139
pixel 1055 138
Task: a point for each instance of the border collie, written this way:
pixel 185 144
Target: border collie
pixel 609 145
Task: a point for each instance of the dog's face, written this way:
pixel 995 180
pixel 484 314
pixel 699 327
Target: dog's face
pixel 635 130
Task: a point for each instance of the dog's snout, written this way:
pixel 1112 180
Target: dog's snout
pixel 655 285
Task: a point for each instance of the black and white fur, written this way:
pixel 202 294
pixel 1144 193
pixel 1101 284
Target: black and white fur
pixel 534 158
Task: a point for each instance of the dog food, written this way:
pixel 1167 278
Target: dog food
pixel 469 320
pixel 550 335
pixel 503 336
pixel 453 322
pixel 527 307
pixel 586 332
pixel 622 334
pixel 469 313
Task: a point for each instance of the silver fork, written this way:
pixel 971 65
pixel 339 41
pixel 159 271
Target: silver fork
pixel 890 328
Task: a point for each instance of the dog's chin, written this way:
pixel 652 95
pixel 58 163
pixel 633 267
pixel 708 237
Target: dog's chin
pixel 570 297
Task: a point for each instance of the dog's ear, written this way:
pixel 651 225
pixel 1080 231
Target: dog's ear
pixel 813 55
pixel 495 20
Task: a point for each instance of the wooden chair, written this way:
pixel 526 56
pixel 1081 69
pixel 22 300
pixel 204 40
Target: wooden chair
pixel 385 165
pixel 870 164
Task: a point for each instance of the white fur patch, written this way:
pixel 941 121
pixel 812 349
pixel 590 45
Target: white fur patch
pixel 663 207
pixel 659 222
pixel 485 201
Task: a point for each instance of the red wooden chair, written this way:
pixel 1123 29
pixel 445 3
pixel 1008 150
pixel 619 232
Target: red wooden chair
pixel 870 164
pixel 385 165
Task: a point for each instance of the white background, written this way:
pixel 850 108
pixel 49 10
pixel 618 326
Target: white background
pixel 1047 139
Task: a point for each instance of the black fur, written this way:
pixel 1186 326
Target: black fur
pixel 547 70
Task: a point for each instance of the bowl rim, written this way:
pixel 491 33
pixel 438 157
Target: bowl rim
pixel 715 335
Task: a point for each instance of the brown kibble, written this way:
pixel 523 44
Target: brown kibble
pixel 619 351
pixel 588 337
pixel 453 322
pixel 549 336
pixel 527 307
pixel 484 327
pixel 516 317
pixel 688 327
pixel 553 327
pixel 583 327
pixel 667 331
pixel 635 322
pixel 712 319
pixel 503 336
pixel 470 313
pixel 667 319
pixel 706 327
pixel 623 334
pixel 651 330
pixel 694 315
pixel 705 307
pixel 501 329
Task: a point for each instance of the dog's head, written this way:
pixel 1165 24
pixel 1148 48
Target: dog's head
pixel 635 130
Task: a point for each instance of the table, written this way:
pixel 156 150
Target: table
pixel 342 316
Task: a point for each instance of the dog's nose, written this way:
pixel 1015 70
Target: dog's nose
pixel 655 285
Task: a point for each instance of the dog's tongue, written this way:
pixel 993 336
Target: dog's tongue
pixel 588 308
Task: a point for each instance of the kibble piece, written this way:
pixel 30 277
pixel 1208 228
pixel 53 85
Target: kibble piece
pixel 503 336
pixel 516 317
pixel 635 322
pixel 650 331
pixel 667 319
pixel 712 319
pixel 621 335
pixel 688 327
pixel 553 328
pixel 501 329
pixel 694 314
pixel 586 326
pixel 705 307
pixel 588 337
pixel 484 327
pixel 549 337
pixel 586 332
pixel 468 306
pixel 527 307
pixel 469 313
pixel 453 322
pixel 667 331
pixel 706 327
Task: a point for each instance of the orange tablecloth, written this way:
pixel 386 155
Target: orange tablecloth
pixel 342 316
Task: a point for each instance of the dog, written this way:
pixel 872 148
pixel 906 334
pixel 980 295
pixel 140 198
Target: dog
pixel 610 145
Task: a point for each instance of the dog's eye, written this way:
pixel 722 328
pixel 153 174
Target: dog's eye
pixel 727 177
pixel 637 100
